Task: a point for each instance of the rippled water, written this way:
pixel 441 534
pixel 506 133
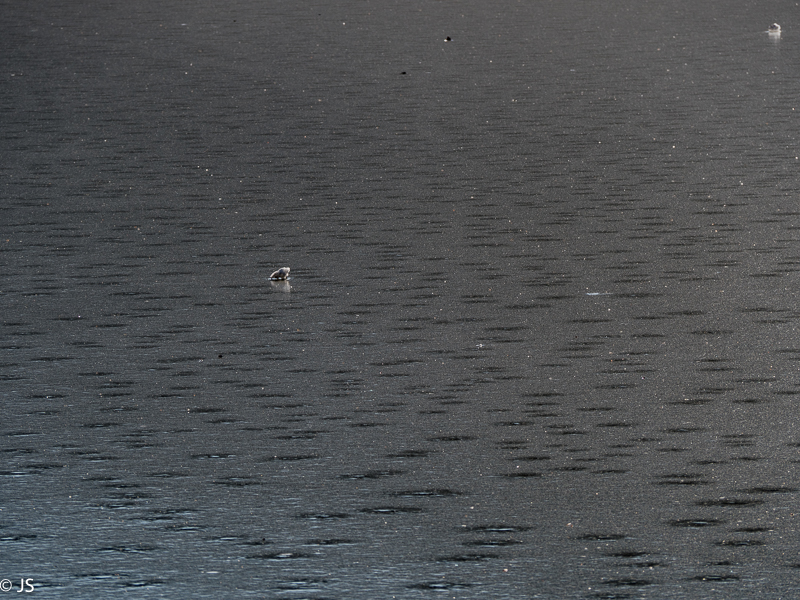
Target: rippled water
pixel 540 335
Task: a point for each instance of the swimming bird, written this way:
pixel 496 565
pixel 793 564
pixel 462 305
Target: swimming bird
pixel 280 275
pixel 774 28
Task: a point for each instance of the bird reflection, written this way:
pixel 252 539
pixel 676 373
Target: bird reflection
pixel 281 286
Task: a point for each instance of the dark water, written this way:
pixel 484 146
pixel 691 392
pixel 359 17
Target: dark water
pixel 541 335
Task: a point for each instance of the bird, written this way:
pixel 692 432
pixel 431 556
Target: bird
pixel 774 28
pixel 280 275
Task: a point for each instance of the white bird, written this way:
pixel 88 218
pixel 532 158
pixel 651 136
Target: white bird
pixel 774 28
pixel 280 275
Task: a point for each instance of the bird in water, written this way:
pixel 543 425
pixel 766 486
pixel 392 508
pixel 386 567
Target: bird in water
pixel 281 274
pixel 774 28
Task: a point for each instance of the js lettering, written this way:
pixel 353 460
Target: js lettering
pixel 25 585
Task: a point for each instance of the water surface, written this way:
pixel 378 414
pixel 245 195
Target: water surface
pixel 540 334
